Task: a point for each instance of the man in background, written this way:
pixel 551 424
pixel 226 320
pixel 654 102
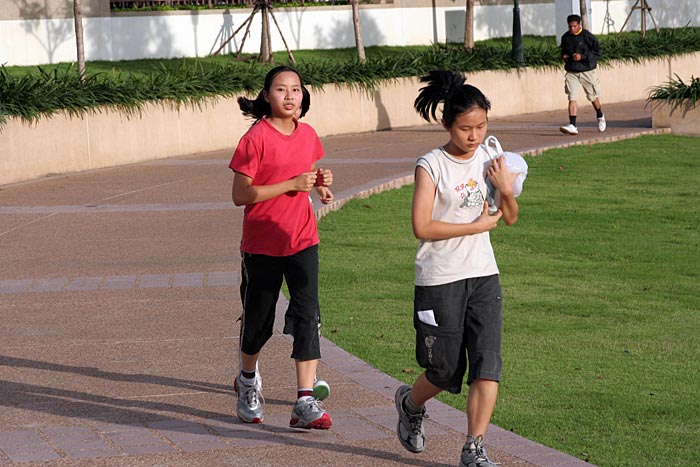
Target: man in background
pixel 580 51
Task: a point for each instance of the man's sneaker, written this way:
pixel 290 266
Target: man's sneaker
pixel 601 124
pixel 409 428
pixel 474 454
pixel 321 390
pixel 251 404
pixel 569 129
pixel 307 414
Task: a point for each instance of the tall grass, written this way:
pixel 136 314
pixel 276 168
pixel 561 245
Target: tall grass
pixel 32 96
pixel 676 91
pixel 34 92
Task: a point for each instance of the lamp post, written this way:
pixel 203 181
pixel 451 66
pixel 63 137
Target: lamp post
pixel 517 49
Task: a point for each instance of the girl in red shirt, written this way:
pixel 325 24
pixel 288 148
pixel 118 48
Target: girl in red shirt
pixel 275 169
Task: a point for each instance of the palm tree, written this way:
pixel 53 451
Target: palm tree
pixel 78 19
pixel 469 26
pixel 358 30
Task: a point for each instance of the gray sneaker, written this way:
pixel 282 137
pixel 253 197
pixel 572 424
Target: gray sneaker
pixel 251 403
pixel 409 428
pixel 258 378
pixel 474 453
pixel 308 414
pixel 258 382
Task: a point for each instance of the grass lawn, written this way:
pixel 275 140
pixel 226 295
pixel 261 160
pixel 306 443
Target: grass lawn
pixel 140 67
pixel 602 310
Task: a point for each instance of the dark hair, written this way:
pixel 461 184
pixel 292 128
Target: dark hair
pixel 305 101
pixel 571 18
pixel 448 87
pixel 258 108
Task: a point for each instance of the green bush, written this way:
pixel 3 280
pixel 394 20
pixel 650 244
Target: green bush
pixel 31 95
pixel 676 91
pixel 634 48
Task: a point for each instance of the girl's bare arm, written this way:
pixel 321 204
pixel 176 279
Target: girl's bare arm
pixel 424 227
pixel 503 180
pixel 244 192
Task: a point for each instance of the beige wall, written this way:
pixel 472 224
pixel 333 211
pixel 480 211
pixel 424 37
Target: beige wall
pixel 54 9
pixel 63 144
pixel 682 119
pixel 40 9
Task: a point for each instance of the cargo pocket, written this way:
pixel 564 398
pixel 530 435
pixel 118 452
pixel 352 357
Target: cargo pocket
pixel 437 349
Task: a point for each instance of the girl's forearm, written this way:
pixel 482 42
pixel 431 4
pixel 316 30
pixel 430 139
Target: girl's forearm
pixel 437 230
pixel 252 194
pixel 509 207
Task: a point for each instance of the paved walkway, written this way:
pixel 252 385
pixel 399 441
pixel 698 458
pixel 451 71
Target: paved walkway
pixel 119 304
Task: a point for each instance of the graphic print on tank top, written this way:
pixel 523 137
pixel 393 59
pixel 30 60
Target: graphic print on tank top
pixel 470 194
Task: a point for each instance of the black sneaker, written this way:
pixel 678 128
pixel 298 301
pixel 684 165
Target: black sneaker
pixel 409 428
pixel 474 453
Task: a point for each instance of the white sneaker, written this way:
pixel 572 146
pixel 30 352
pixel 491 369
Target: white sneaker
pixel 569 129
pixel 601 124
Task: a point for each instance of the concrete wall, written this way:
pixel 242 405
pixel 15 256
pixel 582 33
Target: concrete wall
pixel 64 144
pixel 33 10
pixel 27 37
pixel 682 120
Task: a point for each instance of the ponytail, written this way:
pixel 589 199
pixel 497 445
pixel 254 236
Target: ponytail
pixel 255 108
pixel 448 87
pixel 305 101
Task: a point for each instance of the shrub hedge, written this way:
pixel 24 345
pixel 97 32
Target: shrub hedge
pixel 31 96
pixel 676 91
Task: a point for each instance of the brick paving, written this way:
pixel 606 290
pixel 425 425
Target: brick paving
pixel 120 282
pixel 118 337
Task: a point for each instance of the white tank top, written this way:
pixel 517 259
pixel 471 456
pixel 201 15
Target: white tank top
pixel 459 198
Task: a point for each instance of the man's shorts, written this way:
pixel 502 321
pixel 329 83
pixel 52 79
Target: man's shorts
pixel 457 323
pixel 588 80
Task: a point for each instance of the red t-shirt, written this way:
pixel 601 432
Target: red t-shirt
pixel 283 225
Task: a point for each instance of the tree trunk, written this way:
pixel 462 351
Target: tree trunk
pixel 78 19
pixel 584 14
pixel 265 41
pixel 469 26
pixel 358 30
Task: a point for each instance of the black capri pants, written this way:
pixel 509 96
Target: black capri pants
pixel 261 282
